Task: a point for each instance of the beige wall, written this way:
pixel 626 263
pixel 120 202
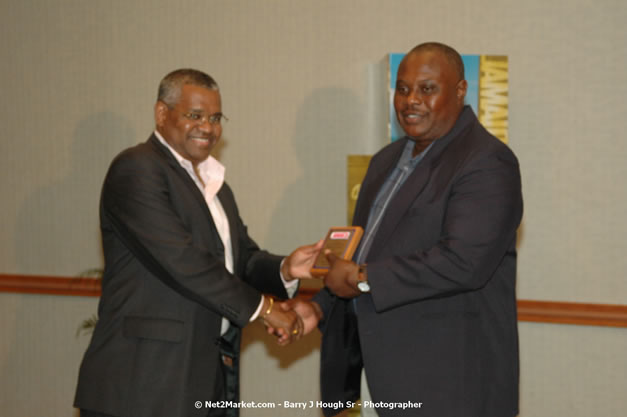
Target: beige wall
pixel 301 83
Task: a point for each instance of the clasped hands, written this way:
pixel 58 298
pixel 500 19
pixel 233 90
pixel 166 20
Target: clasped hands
pixel 290 320
pixel 283 322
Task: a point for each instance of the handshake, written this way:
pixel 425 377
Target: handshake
pixel 292 319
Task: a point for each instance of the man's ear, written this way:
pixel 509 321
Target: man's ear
pixel 161 111
pixel 461 88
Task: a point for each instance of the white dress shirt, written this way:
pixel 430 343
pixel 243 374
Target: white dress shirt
pixel 211 173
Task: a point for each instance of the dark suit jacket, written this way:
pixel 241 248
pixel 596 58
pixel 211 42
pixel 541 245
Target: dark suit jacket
pixel 439 326
pixel 154 351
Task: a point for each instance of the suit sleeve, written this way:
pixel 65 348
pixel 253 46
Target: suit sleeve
pixel 481 216
pixel 137 201
pixel 259 268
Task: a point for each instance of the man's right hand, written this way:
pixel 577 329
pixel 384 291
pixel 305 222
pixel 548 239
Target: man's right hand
pixel 286 325
pixel 309 312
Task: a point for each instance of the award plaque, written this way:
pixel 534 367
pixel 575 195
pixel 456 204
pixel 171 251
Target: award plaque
pixel 342 242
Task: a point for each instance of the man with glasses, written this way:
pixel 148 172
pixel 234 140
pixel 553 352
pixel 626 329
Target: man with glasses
pixel 182 276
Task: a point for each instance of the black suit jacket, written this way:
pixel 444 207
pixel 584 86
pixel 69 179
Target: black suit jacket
pixel 439 326
pixel 165 289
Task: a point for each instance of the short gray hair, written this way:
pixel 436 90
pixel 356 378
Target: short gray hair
pixel 171 85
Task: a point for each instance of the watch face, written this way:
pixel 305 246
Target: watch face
pixel 363 286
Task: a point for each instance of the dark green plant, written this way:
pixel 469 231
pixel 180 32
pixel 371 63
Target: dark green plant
pixel 87 326
pixel 91 273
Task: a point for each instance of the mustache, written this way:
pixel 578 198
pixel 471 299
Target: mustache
pixel 210 136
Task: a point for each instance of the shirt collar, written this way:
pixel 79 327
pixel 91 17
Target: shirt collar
pixel 407 155
pixel 210 170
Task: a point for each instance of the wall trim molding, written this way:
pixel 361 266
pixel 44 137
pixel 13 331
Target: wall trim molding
pixel 37 284
pixel 613 315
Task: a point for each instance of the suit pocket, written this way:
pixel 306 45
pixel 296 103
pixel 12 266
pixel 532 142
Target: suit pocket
pixel 165 330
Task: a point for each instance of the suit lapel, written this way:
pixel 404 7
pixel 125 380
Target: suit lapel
pixel 402 200
pixel 405 196
pixel 180 172
pixel 373 182
pixel 230 210
pixel 191 186
pixel 415 184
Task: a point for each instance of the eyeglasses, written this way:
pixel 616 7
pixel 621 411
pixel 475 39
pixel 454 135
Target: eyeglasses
pixel 199 118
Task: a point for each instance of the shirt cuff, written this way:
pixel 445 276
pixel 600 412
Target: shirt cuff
pixel 290 286
pixel 258 311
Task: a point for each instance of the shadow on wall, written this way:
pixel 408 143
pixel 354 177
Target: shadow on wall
pixel 327 129
pixel 58 224
pixel 57 233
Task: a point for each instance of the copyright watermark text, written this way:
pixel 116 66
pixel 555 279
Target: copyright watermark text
pixel 309 404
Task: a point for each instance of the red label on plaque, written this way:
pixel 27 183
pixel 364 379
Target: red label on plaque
pixel 340 235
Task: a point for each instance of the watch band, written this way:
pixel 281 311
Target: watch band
pixel 362 284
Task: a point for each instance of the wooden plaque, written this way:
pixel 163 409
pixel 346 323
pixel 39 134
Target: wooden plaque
pixel 342 242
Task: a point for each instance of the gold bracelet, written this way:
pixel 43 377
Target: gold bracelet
pixel 269 310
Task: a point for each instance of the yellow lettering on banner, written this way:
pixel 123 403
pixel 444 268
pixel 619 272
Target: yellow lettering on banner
pixel 494 95
pixel 495 113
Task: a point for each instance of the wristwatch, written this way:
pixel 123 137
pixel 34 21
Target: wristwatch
pixel 362 279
